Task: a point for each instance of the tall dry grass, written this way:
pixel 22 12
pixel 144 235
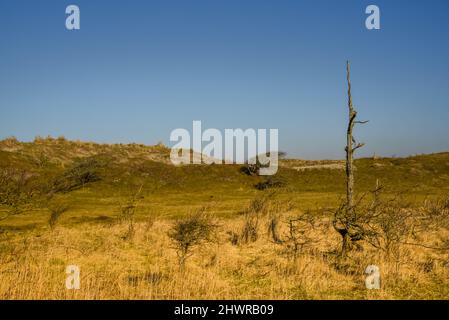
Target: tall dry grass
pixel 32 265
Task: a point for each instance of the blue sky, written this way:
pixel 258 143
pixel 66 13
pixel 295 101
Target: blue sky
pixel 139 69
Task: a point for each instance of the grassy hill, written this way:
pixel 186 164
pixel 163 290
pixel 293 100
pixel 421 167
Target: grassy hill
pixel 171 190
pixel 94 182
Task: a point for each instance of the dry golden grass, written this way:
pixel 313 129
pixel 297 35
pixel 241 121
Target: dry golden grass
pixel 32 266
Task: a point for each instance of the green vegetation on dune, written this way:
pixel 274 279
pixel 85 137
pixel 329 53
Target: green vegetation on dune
pixel 118 170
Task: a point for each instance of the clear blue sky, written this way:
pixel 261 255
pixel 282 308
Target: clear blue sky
pixel 139 69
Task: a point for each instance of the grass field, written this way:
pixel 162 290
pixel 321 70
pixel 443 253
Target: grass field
pixel 93 183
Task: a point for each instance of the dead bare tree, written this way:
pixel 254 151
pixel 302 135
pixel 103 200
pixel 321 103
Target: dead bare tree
pixel 345 220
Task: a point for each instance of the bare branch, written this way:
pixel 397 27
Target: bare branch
pixel 358 146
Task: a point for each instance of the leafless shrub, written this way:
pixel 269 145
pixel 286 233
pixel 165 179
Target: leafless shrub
pixel 390 224
pixel 127 212
pixel 234 237
pixel 435 214
pixel 56 210
pixel 81 173
pixel 298 236
pixel 270 183
pixel 355 223
pixel 270 210
pixel 250 227
pixel 273 228
pixel 258 207
pixel 398 224
pixel 390 228
pixel 252 168
pixel 190 232
pixel 383 223
pixel 277 209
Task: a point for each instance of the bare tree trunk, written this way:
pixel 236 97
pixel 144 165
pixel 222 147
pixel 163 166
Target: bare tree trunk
pixel 346 244
pixel 346 222
pixel 349 148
